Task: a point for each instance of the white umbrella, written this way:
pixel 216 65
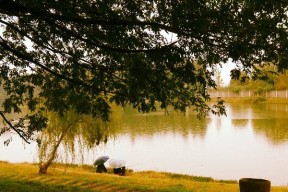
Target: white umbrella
pixel 116 163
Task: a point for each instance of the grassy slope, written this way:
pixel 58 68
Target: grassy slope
pixel 25 178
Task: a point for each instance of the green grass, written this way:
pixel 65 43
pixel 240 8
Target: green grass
pixel 66 178
pixel 12 185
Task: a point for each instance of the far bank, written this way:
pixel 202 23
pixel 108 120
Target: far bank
pixel 251 100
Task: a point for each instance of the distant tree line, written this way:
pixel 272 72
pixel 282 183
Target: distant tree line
pixel 271 80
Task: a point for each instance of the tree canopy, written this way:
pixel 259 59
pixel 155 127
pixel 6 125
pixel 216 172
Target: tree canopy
pixel 81 55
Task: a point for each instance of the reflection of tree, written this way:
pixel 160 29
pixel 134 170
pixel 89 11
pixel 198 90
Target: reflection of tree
pixel 268 119
pixel 239 111
pixel 271 120
pixel 238 123
pixel 160 122
pixel 274 129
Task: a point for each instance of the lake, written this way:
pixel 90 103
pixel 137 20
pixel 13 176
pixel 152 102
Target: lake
pixel 251 141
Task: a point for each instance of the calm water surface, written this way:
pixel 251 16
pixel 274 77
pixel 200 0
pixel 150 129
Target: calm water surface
pixel 251 141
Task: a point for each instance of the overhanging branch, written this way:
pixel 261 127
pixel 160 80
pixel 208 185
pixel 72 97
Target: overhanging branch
pixel 15 7
pixel 106 47
pixel 21 134
pixel 60 76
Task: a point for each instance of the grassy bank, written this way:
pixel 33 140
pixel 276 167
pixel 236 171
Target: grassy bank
pixel 25 178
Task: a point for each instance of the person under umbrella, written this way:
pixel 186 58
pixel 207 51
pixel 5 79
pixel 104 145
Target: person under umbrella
pixel 118 166
pixel 100 164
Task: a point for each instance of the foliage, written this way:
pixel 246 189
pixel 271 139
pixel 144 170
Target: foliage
pixel 271 80
pixel 281 81
pixel 218 78
pixel 68 131
pixel 83 55
pixel 60 129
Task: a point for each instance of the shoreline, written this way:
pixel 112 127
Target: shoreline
pixel 23 176
pixel 252 100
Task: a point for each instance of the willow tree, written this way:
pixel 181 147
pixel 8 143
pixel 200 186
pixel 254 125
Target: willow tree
pixel 69 131
pixel 59 130
pixel 85 54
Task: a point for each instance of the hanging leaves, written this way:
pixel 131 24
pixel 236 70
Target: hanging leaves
pixel 83 55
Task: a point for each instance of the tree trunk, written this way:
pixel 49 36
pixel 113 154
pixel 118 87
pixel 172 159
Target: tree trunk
pixel 43 167
pixel 254 185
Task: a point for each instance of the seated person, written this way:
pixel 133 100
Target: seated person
pixel 120 171
pixel 101 169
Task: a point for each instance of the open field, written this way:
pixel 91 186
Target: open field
pixel 25 178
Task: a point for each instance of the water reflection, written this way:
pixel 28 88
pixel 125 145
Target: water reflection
pixel 275 130
pixel 240 123
pixel 251 141
pixel 137 124
pixel 269 120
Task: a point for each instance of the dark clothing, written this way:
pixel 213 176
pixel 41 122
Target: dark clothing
pixel 101 168
pixel 120 171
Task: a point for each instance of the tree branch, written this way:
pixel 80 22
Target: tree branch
pixel 42 44
pixel 106 47
pixel 22 135
pixel 29 59
pixel 52 17
pixel 17 7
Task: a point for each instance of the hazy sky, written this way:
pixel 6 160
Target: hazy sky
pixel 225 72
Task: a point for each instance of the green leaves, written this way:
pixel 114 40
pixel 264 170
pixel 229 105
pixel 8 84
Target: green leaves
pixel 83 55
